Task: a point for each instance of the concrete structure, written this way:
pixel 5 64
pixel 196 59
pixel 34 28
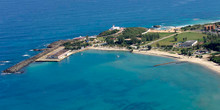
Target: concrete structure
pixel 80 38
pixel 60 55
pixel 92 37
pixel 134 47
pixel 17 67
pixel 189 43
pixel 209 27
pixel 115 28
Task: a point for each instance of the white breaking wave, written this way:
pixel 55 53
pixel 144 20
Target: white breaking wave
pixel 25 55
pixel 4 61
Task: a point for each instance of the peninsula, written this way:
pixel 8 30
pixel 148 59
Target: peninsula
pixel 197 44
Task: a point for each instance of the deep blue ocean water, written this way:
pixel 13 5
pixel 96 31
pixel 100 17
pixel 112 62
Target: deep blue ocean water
pixel 98 80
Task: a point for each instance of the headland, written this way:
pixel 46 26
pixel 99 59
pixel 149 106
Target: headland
pixel 196 44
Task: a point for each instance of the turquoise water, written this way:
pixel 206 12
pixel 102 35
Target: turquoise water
pixel 98 80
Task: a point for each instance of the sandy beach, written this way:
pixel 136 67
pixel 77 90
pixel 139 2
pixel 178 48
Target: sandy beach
pixel 167 30
pixel 203 61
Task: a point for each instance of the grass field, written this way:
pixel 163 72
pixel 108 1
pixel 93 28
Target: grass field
pixel 100 38
pixel 188 35
pixel 165 34
pixel 162 34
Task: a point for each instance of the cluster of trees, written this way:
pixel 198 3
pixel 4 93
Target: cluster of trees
pixel 75 45
pixel 133 32
pixel 167 47
pixel 196 27
pixel 212 42
pixel 193 27
pixel 129 33
pixel 150 37
pixel 186 51
pixel 108 32
pixel 110 40
pixel 215 59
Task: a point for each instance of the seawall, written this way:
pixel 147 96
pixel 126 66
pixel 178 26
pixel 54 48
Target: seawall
pixel 17 67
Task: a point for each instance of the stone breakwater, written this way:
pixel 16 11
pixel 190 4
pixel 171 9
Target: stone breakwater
pixel 17 67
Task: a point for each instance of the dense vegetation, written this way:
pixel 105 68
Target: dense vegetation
pixel 75 45
pixel 150 37
pixel 129 33
pixel 133 32
pixel 108 32
pixel 212 42
pixel 215 59
pixel 196 27
pixel 193 27
pixel 133 35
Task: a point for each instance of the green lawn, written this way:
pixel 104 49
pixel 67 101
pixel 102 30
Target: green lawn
pixel 162 34
pixel 188 35
pixel 165 34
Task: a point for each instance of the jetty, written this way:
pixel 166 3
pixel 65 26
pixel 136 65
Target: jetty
pixel 52 47
pixel 176 62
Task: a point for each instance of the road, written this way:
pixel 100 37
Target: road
pixel 150 43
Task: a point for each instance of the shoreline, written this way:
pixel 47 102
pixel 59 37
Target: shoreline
pixel 108 48
pixel 203 62
pixel 195 23
pixel 54 45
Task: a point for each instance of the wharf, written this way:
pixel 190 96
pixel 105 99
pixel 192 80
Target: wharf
pixel 17 67
pixel 176 62
pixel 45 58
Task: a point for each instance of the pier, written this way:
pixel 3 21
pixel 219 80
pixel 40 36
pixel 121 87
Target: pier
pixel 176 62
pixel 17 67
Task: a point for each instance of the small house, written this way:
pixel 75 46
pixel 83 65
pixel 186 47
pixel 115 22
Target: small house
pixel 115 28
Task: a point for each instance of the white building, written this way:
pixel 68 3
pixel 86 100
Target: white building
pixel 189 43
pixel 93 37
pixel 115 28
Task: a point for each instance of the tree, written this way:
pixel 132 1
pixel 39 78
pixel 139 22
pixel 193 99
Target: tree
pixel 183 51
pixel 189 53
pixel 185 39
pixel 204 39
pixel 134 40
pixel 87 37
pixel 149 47
pixel 175 30
pixel 143 39
pixel 120 40
pixel 158 45
pixel 175 38
pixel 109 40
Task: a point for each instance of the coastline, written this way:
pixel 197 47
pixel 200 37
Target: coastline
pixel 203 62
pixel 54 45
pixel 109 48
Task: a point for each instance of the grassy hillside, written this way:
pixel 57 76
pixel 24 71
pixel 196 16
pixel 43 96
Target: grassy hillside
pixel 181 38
